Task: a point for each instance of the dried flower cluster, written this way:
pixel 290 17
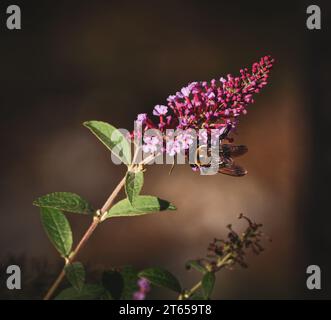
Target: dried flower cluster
pixel 227 253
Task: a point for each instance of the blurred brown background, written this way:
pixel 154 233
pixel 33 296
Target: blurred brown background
pixel 109 60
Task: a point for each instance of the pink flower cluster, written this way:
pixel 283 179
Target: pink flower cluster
pixel 210 105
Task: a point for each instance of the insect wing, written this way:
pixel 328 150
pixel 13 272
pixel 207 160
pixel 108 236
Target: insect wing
pixel 232 151
pixel 233 170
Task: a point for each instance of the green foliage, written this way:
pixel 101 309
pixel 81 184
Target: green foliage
pixel 121 284
pixel 197 296
pixel 130 277
pixel 113 282
pixel 207 283
pixel 142 205
pixel 65 201
pixel 112 138
pixel 162 278
pixel 88 292
pixel 75 273
pixel 133 185
pixel 194 264
pixel 58 230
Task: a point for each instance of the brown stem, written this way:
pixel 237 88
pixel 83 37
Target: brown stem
pixel 81 243
pixel 97 219
pixel 54 286
pixel 86 236
pixel 189 293
pixel 111 198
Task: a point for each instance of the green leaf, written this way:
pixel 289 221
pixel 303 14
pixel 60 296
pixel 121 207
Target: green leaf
pixel 65 201
pixel 197 296
pixel 130 277
pixel 208 282
pixel 113 282
pixel 194 264
pixel 161 278
pixel 112 138
pixel 106 296
pixel 88 292
pixel 133 185
pixel 142 205
pixel 58 230
pixel 75 273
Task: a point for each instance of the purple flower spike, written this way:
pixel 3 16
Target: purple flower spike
pixel 210 105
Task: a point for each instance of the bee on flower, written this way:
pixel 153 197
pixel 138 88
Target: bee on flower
pixel 212 109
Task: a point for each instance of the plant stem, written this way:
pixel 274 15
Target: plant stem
pixel 189 293
pixel 111 198
pixel 85 238
pixel 97 219
pixel 222 263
